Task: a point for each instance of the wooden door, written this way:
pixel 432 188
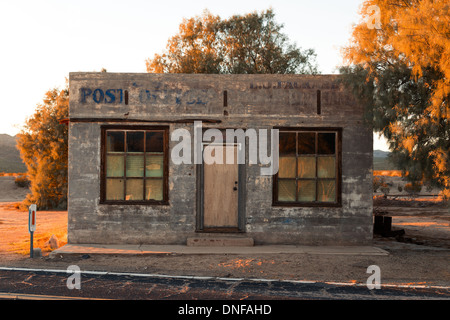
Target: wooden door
pixel 220 189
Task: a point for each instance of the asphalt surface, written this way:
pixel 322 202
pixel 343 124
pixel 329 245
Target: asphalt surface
pixel 102 285
pixel 198 298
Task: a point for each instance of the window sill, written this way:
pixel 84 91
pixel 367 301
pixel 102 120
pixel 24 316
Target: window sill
pixel 135 203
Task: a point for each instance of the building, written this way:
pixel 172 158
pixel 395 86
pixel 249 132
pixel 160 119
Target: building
pixel 145 166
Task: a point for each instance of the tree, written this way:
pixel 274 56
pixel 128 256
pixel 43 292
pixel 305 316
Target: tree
pixel 193 50
pixel 43 147
pixel 401 71
pixel 251 43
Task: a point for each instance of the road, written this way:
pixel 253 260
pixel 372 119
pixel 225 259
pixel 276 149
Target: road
pixel 151 287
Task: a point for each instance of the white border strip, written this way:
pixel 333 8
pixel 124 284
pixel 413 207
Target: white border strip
pixel 150 275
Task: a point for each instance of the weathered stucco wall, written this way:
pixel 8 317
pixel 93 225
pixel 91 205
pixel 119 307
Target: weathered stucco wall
pixel 253 101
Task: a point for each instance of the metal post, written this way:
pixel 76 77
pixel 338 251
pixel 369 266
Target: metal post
pixel 32 225
pixel 31 244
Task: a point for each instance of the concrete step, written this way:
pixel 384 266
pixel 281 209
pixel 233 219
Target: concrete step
pixel 220 241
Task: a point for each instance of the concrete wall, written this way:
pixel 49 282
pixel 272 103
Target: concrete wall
pixel 253 101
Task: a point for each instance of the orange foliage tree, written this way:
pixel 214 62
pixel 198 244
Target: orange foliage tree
pixel 44 149
pixel 398 64
pixel 251 43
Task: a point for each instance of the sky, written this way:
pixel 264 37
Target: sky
pixel 42 41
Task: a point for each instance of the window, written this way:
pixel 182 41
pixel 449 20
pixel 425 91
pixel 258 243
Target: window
pixel 134 165
pixel 309 168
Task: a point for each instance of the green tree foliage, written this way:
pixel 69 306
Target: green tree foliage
pixel 400 72
pixel 242 44
pixel 43 147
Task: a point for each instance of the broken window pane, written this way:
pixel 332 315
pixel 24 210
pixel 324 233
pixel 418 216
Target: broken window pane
pixel 115 141
pixel 135 141
pixel 326 191
pixel 287 143
pixel 135 189
pixel 286 190
pixel 154 142
pixel 286 167
pixel 306 190
pixel 326 143
pixel 306 167
pixel 154 189
pixel 306 143
pixel 154 166
pixel 135 166
pixel 114 189
pixel 326 167
pixel 114 166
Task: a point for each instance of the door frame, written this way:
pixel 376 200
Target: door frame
pixel 241 195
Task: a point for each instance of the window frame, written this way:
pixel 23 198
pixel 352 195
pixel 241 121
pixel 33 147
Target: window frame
pixel 338 178
pixel 103 178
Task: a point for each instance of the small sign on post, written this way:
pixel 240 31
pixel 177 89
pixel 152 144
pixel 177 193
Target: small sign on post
pixel 31 225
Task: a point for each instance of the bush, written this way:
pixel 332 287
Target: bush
pixel 377 182
pixel 22 181
pixel 43 147
pixel 413 188
pixel 385 189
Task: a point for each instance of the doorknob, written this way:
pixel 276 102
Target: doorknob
pixel 235 188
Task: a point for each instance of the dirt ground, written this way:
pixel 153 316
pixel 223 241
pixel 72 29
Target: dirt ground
pixel 9 192
pixel 420 257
